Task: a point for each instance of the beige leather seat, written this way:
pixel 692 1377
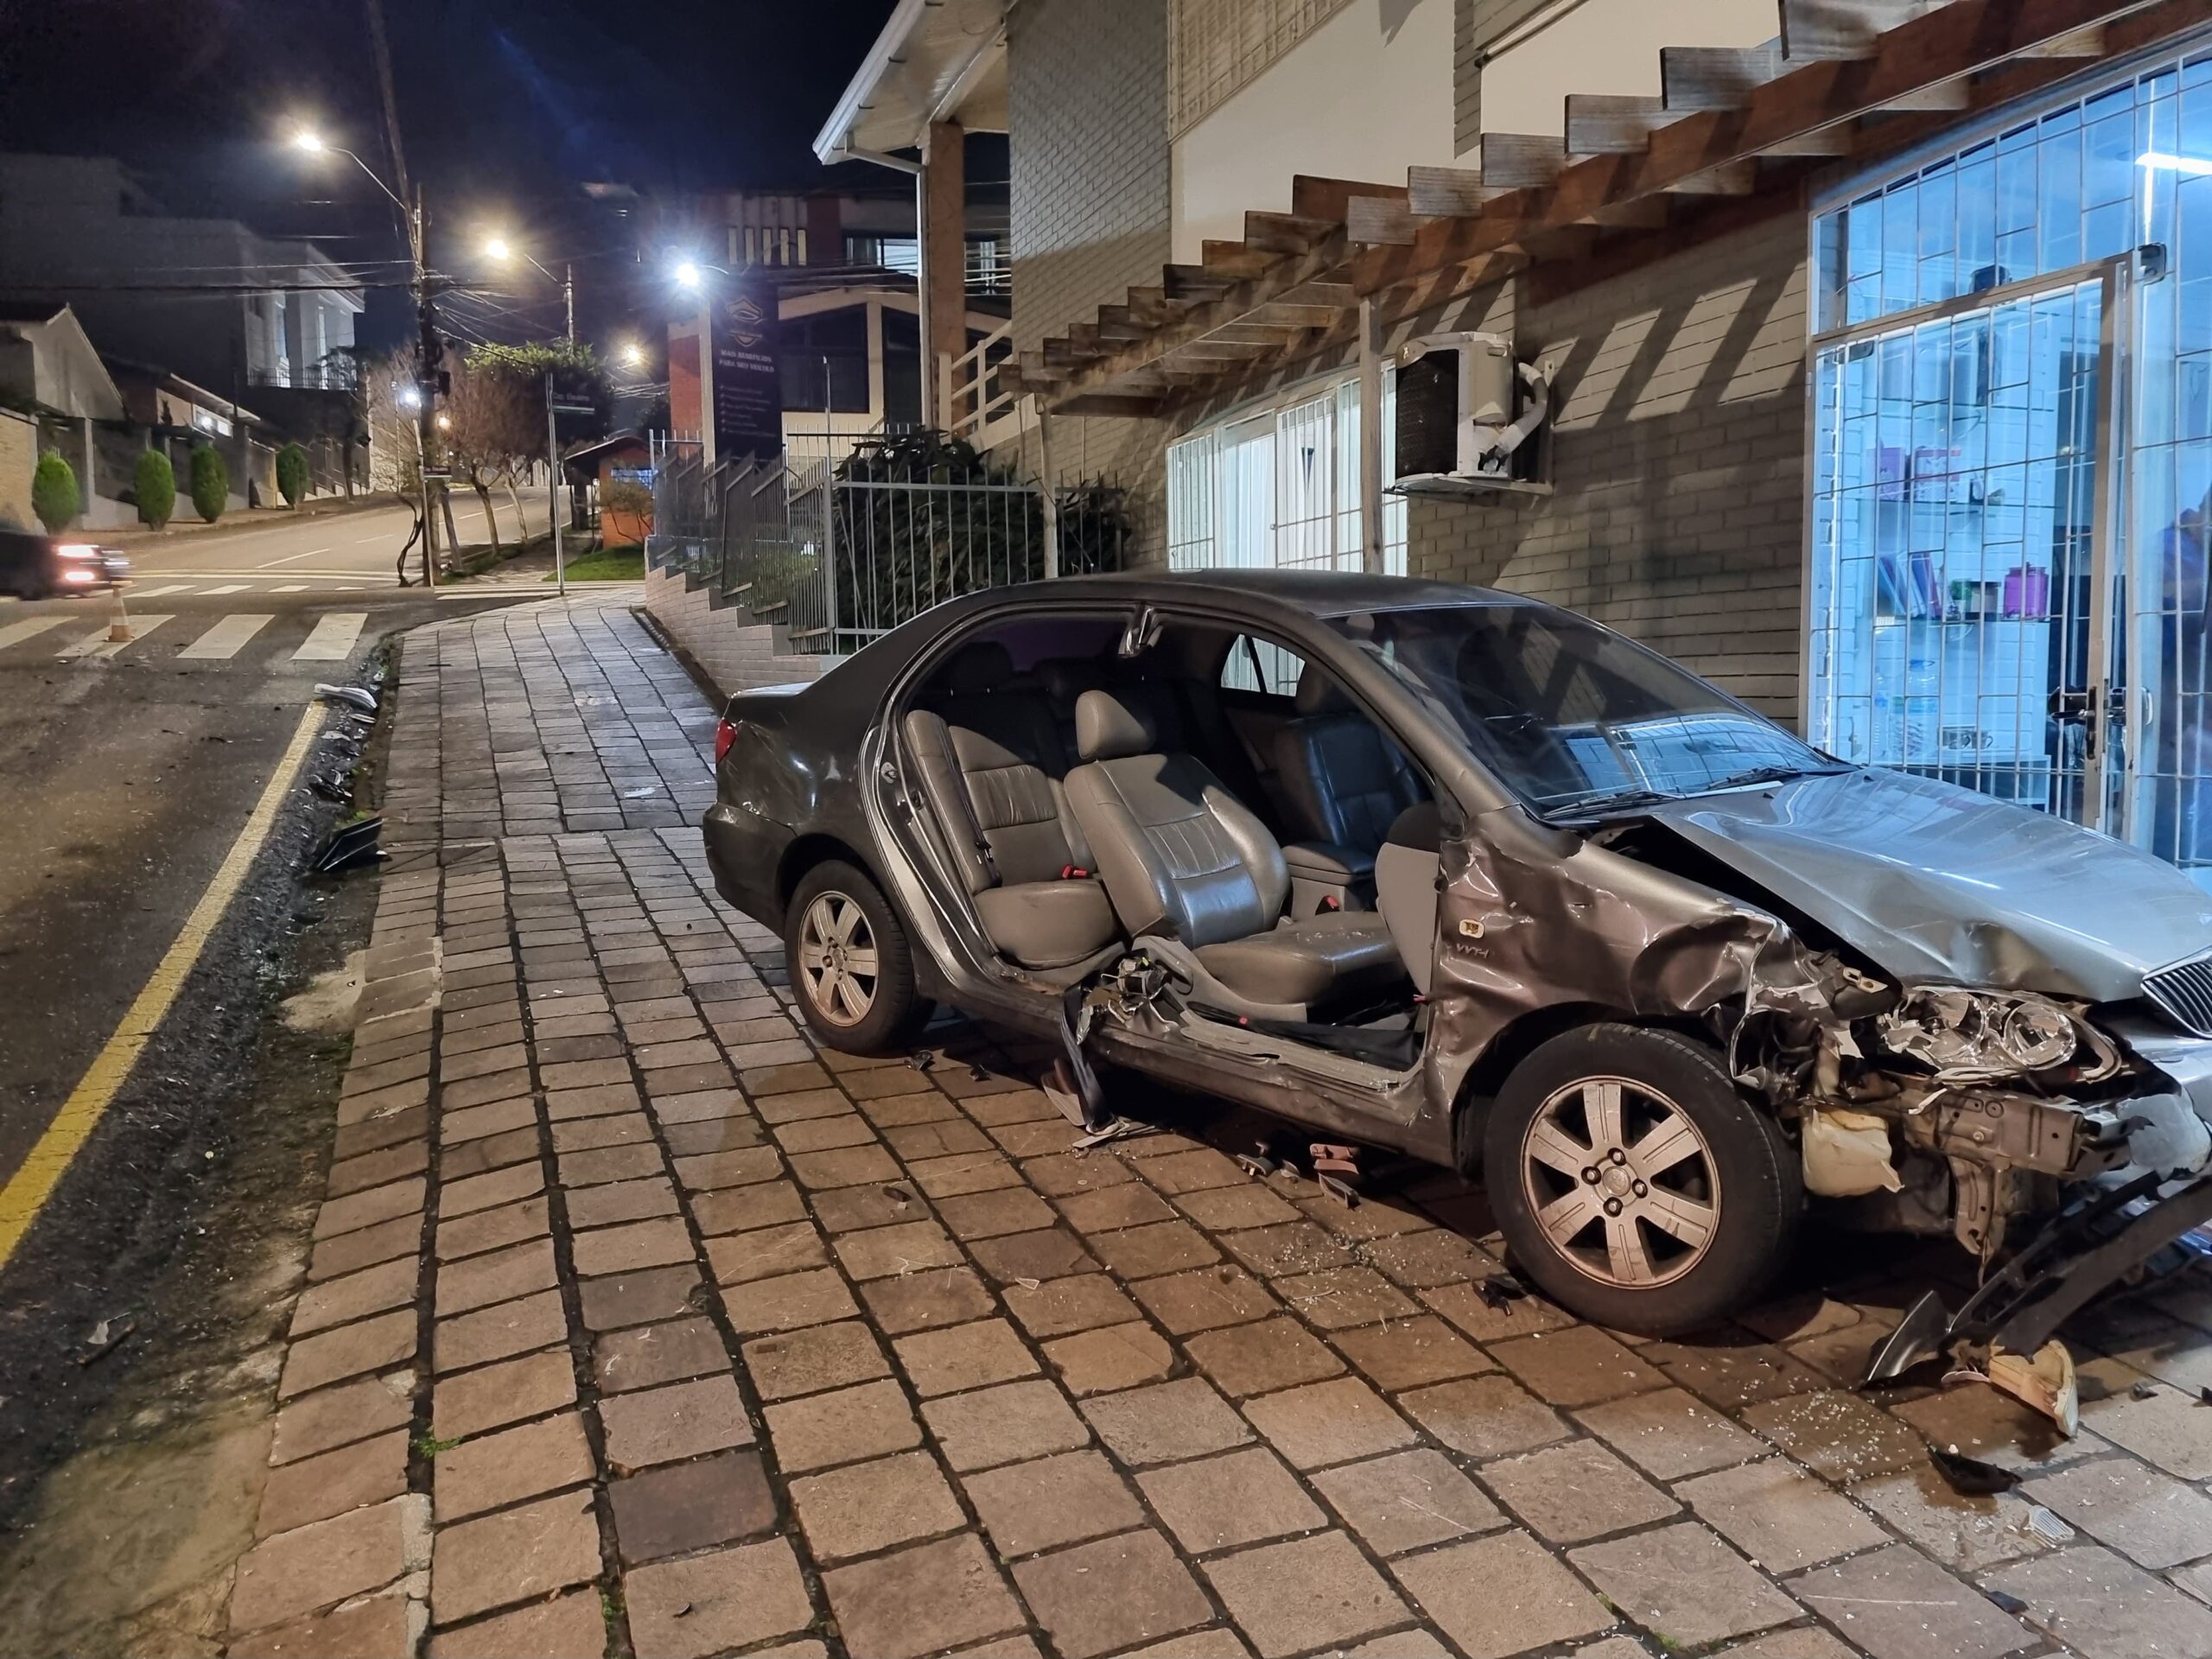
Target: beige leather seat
pixel 991 760
pixel 1183 860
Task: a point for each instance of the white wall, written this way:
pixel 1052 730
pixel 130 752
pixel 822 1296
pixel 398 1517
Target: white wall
pixel 1609 46
pixel 1364 96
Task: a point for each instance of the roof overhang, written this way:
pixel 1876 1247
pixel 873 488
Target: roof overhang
pixel 935 60
pixel 1729 142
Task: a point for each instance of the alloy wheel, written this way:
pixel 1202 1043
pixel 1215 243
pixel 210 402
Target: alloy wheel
pixel 838 959
pixel 1621 1182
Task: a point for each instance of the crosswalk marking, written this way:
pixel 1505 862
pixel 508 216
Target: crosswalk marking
pixel 332 639
pixel 225 639
pixel 234 588
pixel 156 593
pixel 99 645
pixel 15 633
pixel 290 588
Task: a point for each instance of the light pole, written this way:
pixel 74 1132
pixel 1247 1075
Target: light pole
pixel 498 248
pixel 690 276
pixel 427 348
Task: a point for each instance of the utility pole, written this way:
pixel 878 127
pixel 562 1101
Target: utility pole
pixel 568 293
pixel 553 493
pixel 429 348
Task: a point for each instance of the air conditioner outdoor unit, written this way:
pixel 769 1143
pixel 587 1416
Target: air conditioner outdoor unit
pixel 1470 420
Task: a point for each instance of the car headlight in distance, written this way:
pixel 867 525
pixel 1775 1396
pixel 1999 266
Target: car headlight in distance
pixel 2038 1035
pixel 76 550
pixel 79 575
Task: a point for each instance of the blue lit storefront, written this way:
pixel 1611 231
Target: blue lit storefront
pixel 2011 459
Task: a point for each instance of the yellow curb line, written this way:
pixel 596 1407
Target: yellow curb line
pixel 33 1183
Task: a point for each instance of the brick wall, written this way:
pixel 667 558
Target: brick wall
pixel 18 459
pixel 1678 465
pixel 1090 210
pixel 734 652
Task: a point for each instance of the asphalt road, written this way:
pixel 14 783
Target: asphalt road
pixel 321 555
pixel 128 771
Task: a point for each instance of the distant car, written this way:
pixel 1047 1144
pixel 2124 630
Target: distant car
pixel 33 566
pixel 1463 875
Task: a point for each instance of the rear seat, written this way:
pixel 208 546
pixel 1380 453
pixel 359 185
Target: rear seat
pixel 991 761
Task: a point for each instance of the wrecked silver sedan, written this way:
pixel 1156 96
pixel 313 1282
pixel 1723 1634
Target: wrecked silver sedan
pixel 1461 875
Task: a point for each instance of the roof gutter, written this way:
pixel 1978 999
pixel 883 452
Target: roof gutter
pixel 832 144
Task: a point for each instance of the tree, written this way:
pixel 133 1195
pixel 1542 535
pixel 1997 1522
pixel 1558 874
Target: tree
pixel 53 493
pixel 578 378
pixel 156 488
pixel 493 427
pixel 210 483
pixel 292 473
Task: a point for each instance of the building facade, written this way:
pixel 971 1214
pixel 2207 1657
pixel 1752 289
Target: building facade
pixel 1880 398
pixel 207 299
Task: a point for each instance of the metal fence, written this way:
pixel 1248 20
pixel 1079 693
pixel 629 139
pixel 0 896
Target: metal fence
pixel 838 551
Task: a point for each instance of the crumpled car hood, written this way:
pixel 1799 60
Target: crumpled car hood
pixel 1935 882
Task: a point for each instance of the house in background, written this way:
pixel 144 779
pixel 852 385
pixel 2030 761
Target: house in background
pixel 850 354
pixel 82 230
pixel 101 413
pixel 1873 331
pixel 50 373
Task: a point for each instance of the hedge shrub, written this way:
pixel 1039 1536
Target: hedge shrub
pixel 54 494
pixel 156 489
pixel 210 483
pixel 291 473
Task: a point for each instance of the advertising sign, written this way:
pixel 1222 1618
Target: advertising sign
pixel 748 383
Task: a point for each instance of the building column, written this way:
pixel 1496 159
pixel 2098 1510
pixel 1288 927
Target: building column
pixel 945 263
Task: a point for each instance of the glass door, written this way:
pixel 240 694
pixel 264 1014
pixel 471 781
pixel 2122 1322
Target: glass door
pixel 1960 599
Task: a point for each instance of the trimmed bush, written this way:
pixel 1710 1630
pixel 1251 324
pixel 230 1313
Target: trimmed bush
pixel 292 473
pixel 54 494
pixel 156 489
pixel 210 483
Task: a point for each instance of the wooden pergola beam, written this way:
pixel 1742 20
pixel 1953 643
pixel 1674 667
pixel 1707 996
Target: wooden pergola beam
pixel 1328 199
pixel 1962 39
pixel 1275 233
pixel 1281 282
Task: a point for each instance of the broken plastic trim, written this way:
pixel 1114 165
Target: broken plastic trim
pixel 2088 1248
pixel 348 845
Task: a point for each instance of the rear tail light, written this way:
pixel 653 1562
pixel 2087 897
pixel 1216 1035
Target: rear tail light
pixel 725 734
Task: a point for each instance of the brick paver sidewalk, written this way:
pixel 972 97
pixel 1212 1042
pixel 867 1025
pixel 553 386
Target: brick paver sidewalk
pixel 634 1325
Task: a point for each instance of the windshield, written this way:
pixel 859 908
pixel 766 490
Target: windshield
pixel 1571 716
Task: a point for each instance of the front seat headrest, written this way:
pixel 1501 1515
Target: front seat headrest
pixel 1317 693
pixel 1106 729
pixel 982 666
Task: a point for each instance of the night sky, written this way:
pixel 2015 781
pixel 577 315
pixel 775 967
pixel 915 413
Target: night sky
pixel 506 108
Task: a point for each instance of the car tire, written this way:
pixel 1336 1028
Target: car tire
pixel 1632 1183
pixel 857 991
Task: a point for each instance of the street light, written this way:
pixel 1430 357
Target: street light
pixel 309 142
pixel 689 274
pixel 500 250
pixel 633 356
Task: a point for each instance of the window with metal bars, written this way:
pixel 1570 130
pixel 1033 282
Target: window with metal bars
pixel 1277 486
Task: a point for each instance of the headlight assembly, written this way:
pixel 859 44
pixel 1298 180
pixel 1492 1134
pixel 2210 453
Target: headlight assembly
pixel 1980 1036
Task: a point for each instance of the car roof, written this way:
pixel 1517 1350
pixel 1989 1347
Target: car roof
pixel 1320 593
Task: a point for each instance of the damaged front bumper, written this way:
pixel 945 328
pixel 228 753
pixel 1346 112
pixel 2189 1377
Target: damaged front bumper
pixel 2090 1246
